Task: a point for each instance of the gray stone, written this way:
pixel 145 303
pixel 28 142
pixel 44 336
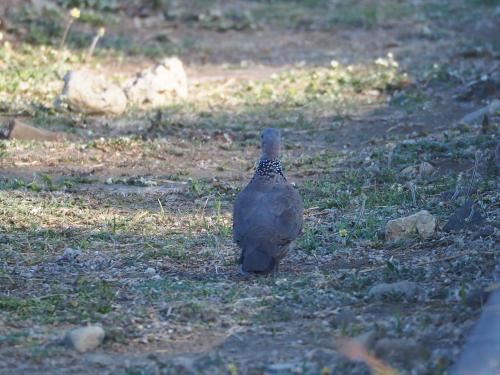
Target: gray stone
pixel 281 368
pixel 478 115
pixel 69 255
pixel 406 289
pixel 344 318
pixel 90 93
pixel 425 168
pixel 159 85
pixel 484 232
pixel 101 359
pixel 87 338
pixel 411 170
pixel 422 223
pixel 466 215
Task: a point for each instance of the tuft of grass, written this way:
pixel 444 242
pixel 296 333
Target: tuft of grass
pixel 87 301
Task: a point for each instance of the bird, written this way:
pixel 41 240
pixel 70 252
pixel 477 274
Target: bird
pixel 267 213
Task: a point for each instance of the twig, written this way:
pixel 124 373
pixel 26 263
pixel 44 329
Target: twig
pixel 389 159
pixel 457 187
pixel 413 190
pixel 72 15
pixel 219 253
pixel 474 172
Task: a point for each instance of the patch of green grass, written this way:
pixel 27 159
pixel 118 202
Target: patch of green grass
pixel 3 151
pixel 300 86
pixel 30 74
pixel 369 14
pixel 87 300
pixel 47 31
pixel 323 14
pixel 16 338
pixel 41 182
pixel 388 195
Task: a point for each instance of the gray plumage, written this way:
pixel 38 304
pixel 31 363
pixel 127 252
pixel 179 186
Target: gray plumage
pixel 267 214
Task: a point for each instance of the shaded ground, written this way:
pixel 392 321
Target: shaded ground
pixel 147 198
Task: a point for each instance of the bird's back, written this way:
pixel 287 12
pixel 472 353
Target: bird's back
pixel 267 217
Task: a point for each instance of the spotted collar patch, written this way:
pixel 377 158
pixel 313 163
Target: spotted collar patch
pixel 269 168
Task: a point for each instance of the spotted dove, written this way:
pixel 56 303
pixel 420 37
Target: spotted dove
pixel 267 214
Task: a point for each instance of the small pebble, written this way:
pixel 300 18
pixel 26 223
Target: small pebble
pixel 69 255
pixel 87 338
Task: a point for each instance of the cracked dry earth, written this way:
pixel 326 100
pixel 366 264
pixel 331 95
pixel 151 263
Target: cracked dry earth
pixel 148 213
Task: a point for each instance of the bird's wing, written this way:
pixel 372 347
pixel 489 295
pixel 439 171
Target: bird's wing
pixel 271 212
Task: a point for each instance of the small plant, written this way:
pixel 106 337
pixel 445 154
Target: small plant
pixel 99 35
pixel 72 15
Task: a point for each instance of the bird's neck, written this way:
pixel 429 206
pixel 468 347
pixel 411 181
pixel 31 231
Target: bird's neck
pixel 269 168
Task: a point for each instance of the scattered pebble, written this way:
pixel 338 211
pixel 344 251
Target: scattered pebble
pixel 69 255
pixel 476 116
pixel 158 85
pixel 407 289
pixel 466 215
pixel 87 338
pixel 422 223
pixel 425 168
pixel 90 93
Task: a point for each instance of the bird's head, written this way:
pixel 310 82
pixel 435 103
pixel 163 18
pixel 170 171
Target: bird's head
pixel 270 143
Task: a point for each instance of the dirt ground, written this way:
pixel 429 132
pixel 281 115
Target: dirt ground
pixel 361 91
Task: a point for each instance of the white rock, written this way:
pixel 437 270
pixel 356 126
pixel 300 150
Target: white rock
pixel 422 223
pixel 425 168
pixel 409 171
pixel 158 85
pixel 90 93
pixel 407 289
pixel 150 271
pixel 70 254
pixel 86 338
